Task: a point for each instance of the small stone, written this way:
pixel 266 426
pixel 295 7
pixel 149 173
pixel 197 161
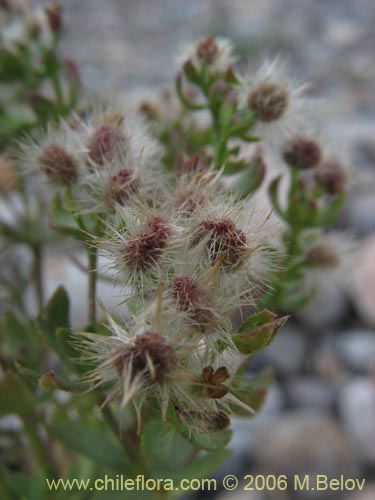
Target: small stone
pixel 363 281
pixel 368 494
pixel 304 443
pixel 327 307
pixel 311 392
pixel 286 353
pixel 356 348
pixel 357 410
pixel 361 213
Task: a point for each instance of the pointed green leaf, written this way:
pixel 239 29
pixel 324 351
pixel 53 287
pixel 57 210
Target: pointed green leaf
pixel 14 396
pixel 201 467
pixel 51 381
pixel 273 191
pixel 258 331
pixel 250 180
pixel 56 315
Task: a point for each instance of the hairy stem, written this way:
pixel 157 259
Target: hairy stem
pixel 92 280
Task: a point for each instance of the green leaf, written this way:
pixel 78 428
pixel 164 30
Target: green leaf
pixel 45 109
pixel 51 381
pixel 19 340
pixel 51 62
pixel 258 331
pixel 191 73
pixel 63 222
pixel 296 302
pixel 330 214
pixel 250 180
pixel 26 487
pixel 157 441
pixel 11 67
pixel 201 467
pixel 29 377
pixel 226 114
pixel 209 442
pixel 14 396
pixel 93 443
pixel 56 316
pixel 180 93
pixel 273 192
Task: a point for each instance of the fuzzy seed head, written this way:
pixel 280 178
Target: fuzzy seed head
pixel 58 165
pixel 323 256
pixel 193 165
pixel 302 153
pixel 121 186
pixel 269 101
pixel 190 298
pixel 224 241
pixel 150 353
pixel 207 50
pixel 188 201
pixel 104 143
pixel 143 251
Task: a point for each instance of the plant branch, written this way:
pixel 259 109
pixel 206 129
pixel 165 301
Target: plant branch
pixel 38 276
pixel 92 280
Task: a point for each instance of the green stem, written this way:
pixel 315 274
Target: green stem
pixel 92 280
pixel 38 276
pixel 58 91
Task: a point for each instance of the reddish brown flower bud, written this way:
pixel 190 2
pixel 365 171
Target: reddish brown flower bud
pixel 193 165
pixel 121 187
pixel 332 176
pixel 72 70
pixel 104 144
pixel 58 165
pixel 151 354
pixel 54 16
pixel 269 101
pixel 214 388
pixel 224 242
pixel 302 153
pixel 190 298
pixel 207 50
pixel 143 251
pixel 323 256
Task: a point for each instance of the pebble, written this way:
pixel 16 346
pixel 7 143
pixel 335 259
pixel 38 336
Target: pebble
pixel 356 349
pixel 363 281
pixel 286 353
pixel 327 308
pixel 303 442
pixel 311 392
pixel 357 410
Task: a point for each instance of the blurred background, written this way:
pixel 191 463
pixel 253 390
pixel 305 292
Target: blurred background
pixel 319 417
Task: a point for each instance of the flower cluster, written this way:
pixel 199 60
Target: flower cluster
pixel 183 236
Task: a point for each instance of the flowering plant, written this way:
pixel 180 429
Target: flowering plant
pixel 169 205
